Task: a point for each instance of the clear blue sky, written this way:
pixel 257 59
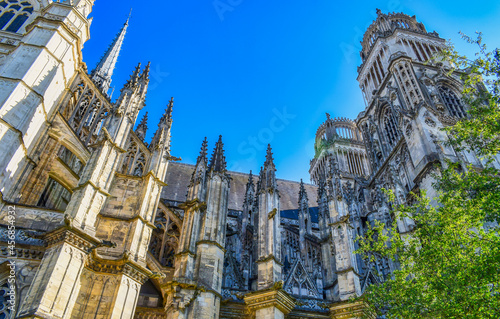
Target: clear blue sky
pixel 260 71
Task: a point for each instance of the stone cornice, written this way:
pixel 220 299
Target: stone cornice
pixel 72 236
pixel 98 189
pixel 269 258
pixel 185 252
pixel 106 137
pixel 349 269
pixel 131 219
pixel 341 220
pixel 211 242
pixel 194 204
pixel 348 310
pixel 123 266
pixel 276 298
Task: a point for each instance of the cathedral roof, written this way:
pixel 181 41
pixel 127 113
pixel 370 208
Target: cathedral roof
pixel 179 175
pixel 294 214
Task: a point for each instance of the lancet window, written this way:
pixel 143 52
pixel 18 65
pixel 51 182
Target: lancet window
pixel 134 162
pixel 165 239
pixel 452 102
pixel 13 14
pixel 390 126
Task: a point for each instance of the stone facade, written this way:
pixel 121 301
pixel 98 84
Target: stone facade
pixel 104 227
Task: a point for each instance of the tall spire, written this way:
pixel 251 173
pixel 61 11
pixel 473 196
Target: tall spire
pixel 218 161
pixel 102 74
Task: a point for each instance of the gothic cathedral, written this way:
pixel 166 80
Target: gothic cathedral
pixel 96 222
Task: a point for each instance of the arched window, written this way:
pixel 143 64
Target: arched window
pixel 390 126
pixel 13 14
pixel 134 162
pixel 452 102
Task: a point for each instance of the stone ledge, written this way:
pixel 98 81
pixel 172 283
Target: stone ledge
pixel 270 298
pixel 348 310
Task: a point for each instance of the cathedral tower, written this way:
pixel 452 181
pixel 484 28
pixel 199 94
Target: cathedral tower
pixel 41 55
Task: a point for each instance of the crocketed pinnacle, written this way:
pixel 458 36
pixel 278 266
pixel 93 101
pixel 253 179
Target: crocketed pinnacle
pixel 142 128
pixel 203 152
pixel 250 190
pixel 169 109
pixel 218 161
pixel 302 192
pixel 269 157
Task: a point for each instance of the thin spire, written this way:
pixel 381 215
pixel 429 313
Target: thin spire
pixel 129 15
pixel 218 161
pixel 303 200
pixel 104 71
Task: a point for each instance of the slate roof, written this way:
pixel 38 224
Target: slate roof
pixel 179 175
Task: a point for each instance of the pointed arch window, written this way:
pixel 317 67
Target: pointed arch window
pixel 135 160
pixel 452 102
pixel 13 14
pixel 390 126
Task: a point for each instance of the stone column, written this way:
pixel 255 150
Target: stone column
pixel 342 237
pixel 57 282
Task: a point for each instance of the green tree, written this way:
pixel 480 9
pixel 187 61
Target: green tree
pixel 449 267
